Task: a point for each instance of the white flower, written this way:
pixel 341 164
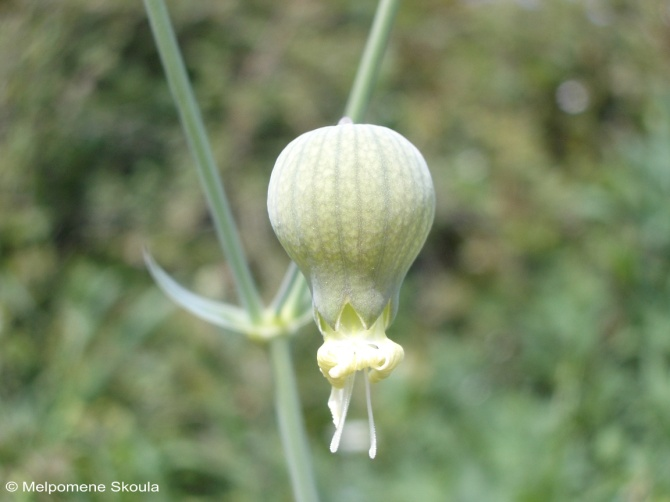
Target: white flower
pixel 352 205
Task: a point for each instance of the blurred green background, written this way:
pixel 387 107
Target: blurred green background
pixel 536 322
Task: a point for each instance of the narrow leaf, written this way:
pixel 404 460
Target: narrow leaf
pixel 221 314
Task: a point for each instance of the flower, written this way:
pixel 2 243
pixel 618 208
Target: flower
pixel 352 205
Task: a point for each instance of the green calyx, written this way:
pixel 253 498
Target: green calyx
pixel 352 205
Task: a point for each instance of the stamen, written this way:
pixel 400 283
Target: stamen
pixel 371 419
pixel 339 405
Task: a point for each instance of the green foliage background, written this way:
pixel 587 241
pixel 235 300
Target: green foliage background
pixel 536 322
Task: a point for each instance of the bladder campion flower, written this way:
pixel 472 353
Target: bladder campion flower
pixel 352 205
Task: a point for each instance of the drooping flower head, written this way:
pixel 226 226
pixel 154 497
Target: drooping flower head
pixel 352 205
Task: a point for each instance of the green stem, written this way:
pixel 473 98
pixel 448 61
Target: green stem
pixel 194 129
pixel 293 286
pixel 291 426
pixel 368 69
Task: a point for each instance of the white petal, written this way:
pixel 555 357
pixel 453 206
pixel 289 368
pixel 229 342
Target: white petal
pixel 371 418
pixel 339 405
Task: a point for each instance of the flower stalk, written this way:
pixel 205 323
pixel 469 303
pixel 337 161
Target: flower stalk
pixel 371 61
